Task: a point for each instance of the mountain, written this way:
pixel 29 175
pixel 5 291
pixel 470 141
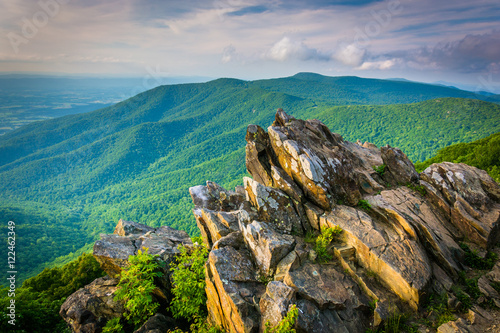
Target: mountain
pixel 65 180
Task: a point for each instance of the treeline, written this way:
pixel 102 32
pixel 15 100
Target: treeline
pixel 483 154
pixel 39 299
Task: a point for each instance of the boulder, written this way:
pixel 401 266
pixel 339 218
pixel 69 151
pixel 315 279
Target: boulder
pixel 157 324
pixel 471 196
pixel 88 309
pixel 267 246
pixel 275 303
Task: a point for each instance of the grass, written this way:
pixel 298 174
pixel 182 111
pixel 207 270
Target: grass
pixel 380 169
pixel 473 260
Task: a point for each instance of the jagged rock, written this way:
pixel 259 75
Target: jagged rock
pixel 485 284
pixel 326 287
pixel 233 292
pixel 127 228
pixel 112 251
pixel 402 245
pixel 399 165
pixel 215 225
pixel 273 206
pixel 472 198
pixel 157 324
pixel 214 197
pixel 268 247
pixel 88 309
pixel 393 256
pixel 274 305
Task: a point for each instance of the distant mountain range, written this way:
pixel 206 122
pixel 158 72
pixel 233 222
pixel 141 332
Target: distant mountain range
pixel 65 180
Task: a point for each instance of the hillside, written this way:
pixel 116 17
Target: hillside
pixel 483 154
pixel 65 180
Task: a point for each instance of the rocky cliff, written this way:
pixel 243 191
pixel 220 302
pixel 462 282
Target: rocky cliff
pixel 400 239
pixel 402 236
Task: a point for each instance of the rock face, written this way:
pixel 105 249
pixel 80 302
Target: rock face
pixel 400 238
pixel 88 309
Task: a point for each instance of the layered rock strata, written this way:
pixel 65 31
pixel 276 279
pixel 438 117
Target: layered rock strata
pixel 400 238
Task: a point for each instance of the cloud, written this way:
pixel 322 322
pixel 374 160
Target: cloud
pixel 248 10
pixel 289 49
pixel 472 53
pixel 228 54
pixel 350 54
pixel 378 65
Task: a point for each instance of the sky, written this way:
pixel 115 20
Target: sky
pixel 423 40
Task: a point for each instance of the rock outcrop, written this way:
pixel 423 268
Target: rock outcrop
pixel 400 238
pixel 88 309
pixel 400 230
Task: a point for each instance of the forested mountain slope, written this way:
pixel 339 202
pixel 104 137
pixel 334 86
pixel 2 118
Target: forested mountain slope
pixel 65 180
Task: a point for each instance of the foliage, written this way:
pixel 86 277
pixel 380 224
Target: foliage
pixel 418 188
pixel 113 326
pixel 380 169
pixel 322 242
pixel 483 154
pixel 286 324
pixel 472 259
pixel 136 287
pixel 39 299
pixel 439 312
pixel 188 278
pixel 365 205
pixel 66 180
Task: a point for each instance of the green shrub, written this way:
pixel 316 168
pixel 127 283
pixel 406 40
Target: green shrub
pixel 286 324
pixel 365 205
pixel 136 287
pixel 188 278
pixel 113 326
pixel 380 169
pixel 322 242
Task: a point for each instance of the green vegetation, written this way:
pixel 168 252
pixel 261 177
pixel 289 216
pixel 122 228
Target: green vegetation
pixel 418 188
pixel 438 311
pixel 66 180
pixel 136 287
pixel 483 154
pixel 286 324
pixel 365 205
pixel 188 279
pixel 324 239
pixel 380 169
pixel 113 326
pixel 473 260
pixel 39 299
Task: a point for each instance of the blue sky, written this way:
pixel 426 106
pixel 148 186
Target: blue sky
pixel 424 40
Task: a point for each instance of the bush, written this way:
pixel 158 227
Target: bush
pixel 365 205
pixel 380 169
pixel 188 280
pixel 322 242
pixel 136 287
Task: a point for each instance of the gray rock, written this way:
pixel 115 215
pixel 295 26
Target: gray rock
pixel 88 309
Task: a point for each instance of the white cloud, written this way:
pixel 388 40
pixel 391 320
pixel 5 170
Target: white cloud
pixel 287 49
pixel 350 54
pixel 378 65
